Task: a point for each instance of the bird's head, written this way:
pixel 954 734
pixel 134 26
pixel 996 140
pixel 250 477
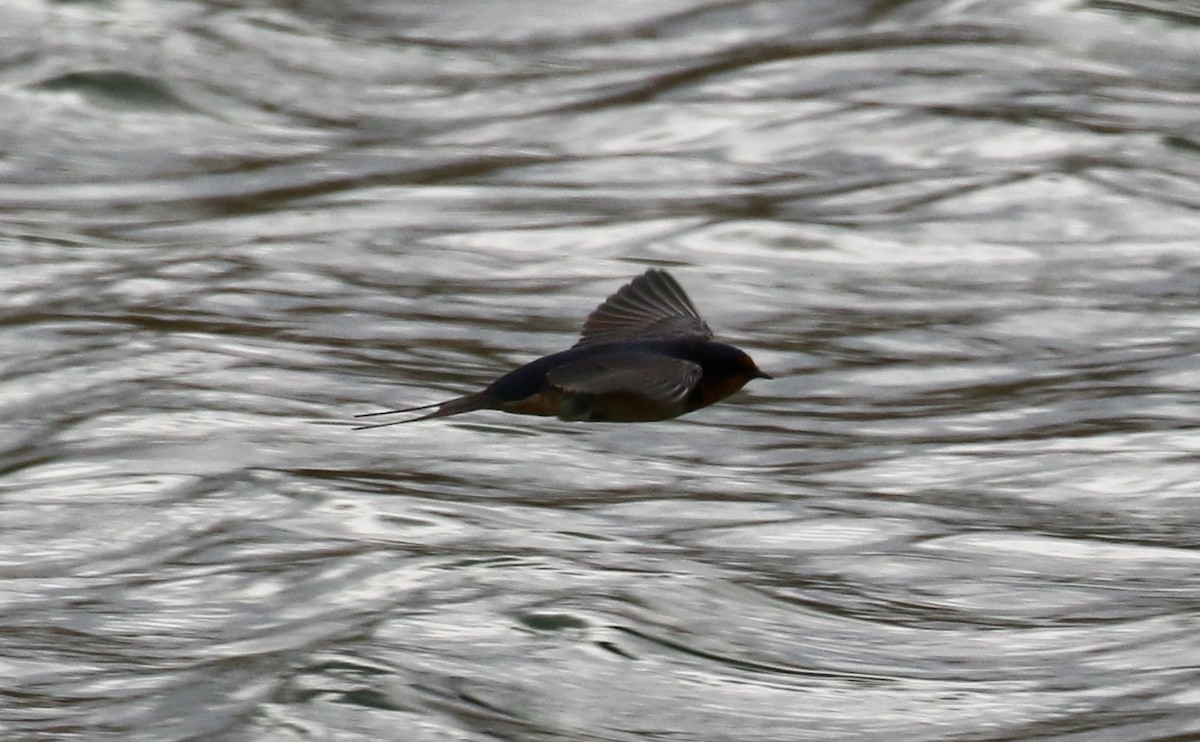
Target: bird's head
pixel 726 370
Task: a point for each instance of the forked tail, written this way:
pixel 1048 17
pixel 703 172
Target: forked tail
pixel 456 406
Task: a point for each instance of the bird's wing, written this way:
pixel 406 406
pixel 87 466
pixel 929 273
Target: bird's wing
pixel 656 377
pixel 650 307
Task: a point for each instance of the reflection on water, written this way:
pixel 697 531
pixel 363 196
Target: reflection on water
pixel 963 243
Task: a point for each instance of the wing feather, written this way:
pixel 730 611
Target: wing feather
pixel 652 306
pixel 660 378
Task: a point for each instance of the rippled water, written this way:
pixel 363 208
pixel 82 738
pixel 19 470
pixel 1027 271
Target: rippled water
pixel 962 236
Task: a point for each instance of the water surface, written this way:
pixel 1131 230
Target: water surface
pixel 962 236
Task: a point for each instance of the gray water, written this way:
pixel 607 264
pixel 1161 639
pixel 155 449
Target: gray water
pixel 963 236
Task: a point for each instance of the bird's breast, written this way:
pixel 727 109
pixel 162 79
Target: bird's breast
pixel 616 407
pixel 714 389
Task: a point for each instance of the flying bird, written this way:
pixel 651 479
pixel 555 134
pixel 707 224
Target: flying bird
pixel 645 354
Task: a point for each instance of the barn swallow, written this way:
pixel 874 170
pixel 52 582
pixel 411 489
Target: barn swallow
pixel 645 354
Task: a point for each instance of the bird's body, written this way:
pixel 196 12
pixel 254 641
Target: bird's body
pixel 645 355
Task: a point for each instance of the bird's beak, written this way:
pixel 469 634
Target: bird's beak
pixel 760 374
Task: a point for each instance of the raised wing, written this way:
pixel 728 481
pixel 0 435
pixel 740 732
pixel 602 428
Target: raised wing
pixel 650 307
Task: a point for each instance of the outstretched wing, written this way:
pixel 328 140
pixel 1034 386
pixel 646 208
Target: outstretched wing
pixel 650 307
pixel 663 379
